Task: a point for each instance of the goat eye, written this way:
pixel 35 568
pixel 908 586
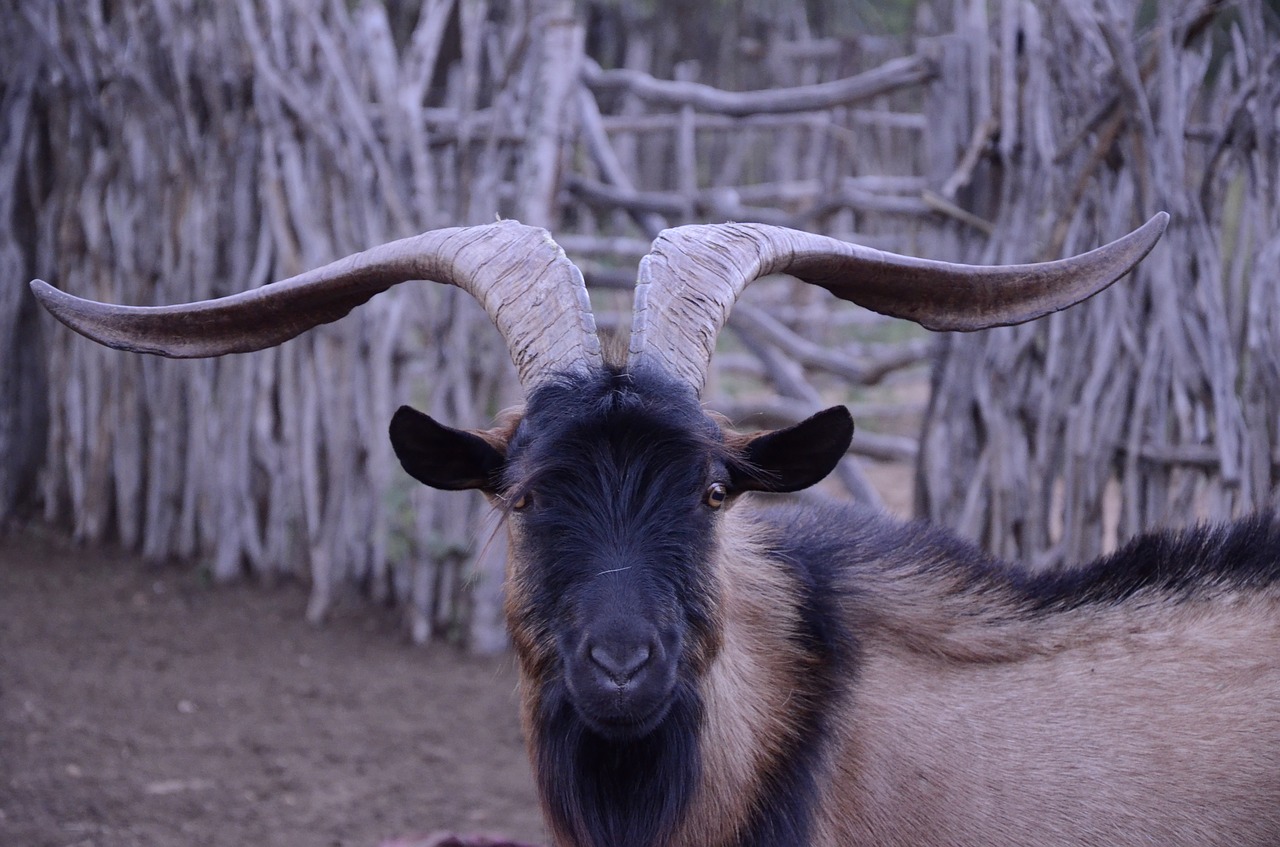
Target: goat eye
pixel 716 495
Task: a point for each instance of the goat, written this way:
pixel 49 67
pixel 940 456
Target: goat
pixel 701 669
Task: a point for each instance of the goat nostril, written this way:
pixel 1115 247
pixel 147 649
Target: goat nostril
pixel 622 663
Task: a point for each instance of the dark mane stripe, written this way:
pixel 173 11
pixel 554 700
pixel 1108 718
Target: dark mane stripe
pixel 1244 554
pixel 792 790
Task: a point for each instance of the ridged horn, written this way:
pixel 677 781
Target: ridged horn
pixel 529 288
pixel 693 275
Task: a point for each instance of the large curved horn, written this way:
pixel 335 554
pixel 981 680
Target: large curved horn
pixel 694 274
pixel 524 281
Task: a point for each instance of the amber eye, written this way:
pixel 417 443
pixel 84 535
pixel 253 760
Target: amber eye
pixel 716 495
pixel 521 502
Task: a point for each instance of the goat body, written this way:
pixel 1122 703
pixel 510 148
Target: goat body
pixel 826 675
pixel 1134 702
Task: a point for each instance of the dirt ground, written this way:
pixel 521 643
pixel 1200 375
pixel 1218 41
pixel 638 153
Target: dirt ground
pixel 141 706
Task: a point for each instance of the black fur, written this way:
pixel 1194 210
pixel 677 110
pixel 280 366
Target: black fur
pixel 624 793
pixel 796 457
pixel 615 469
pixel 1244 554
pixel 441 456
pixel 846 541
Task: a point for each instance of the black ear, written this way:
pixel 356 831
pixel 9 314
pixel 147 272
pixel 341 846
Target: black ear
pixel 796 457
pixel 443 457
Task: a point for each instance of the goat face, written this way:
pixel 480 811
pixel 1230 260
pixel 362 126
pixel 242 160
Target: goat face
pixel 613 484
pixel 610 523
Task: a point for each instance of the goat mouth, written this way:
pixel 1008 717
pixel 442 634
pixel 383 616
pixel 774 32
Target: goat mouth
pixel 627 726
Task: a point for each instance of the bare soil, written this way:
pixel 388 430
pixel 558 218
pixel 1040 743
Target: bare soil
pixel 143 706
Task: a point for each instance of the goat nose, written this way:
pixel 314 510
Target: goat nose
pixel 620 662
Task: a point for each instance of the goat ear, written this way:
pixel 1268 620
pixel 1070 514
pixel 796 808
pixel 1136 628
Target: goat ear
pixel 796 457
pixel 444 457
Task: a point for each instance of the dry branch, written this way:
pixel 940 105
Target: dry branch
pixel 893 75
pixel 857 369
pixel 775 414
pixel 727 204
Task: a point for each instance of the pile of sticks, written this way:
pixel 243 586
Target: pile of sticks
pixel 172 152
pixel 1160 400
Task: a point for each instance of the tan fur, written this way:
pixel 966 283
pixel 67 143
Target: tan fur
pixel 503 430
pixel 1150 722
pixel 737 442
pixel 747 688
pixel 534 650
pixel 614 342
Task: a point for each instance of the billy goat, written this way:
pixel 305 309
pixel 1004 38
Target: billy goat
pixel 698 670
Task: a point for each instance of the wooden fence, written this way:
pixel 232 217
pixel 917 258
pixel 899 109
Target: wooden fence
pixel 1159 402
pixel 167 152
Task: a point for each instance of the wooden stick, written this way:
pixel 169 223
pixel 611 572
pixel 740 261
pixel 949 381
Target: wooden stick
pixel 891 76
